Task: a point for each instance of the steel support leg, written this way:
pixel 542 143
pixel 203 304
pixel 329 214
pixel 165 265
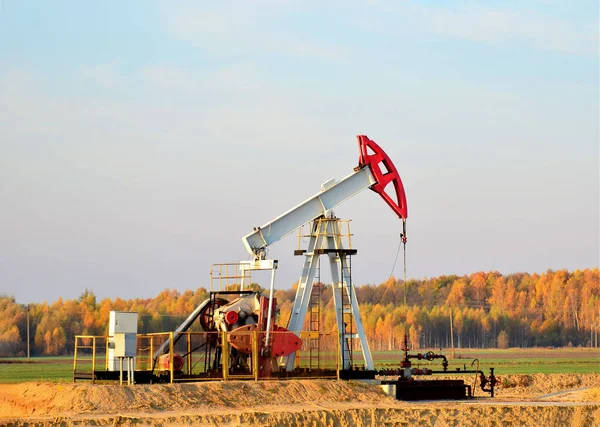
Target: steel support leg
pixel 305 285
pixel 341 285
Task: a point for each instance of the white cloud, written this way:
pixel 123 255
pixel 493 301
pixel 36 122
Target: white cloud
pixel 237 28
pixel 497 25
pixel 228 104
pixel 105 75
pixel 487 24
pixel 235 78
pixel 318 51
pixel 169 77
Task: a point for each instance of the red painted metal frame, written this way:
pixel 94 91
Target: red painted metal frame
pixel 390 175
pixel 282 341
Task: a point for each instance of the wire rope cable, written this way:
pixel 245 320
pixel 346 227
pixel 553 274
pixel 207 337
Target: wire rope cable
pixel 401 241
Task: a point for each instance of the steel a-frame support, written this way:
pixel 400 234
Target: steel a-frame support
pixel 325 239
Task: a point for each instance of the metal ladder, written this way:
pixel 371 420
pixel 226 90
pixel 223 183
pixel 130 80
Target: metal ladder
pixel 315 321
pixel 348 333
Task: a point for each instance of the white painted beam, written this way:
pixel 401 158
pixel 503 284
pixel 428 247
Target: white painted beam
pixel 308 210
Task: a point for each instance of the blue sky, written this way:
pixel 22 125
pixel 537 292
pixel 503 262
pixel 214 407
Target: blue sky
pixel 139 141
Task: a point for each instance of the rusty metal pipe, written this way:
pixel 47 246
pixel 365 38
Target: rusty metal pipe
pixel 430 355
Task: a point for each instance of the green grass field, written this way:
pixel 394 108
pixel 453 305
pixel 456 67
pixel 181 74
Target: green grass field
pixel 53 369
pixel 510 361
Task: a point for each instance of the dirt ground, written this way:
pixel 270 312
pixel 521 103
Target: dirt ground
pixel 523 400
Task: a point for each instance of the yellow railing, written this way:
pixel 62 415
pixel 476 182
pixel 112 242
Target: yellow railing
pixel 206 355
pixel 190 345
pixel 225 276
pixel 338 229
pixel 86 355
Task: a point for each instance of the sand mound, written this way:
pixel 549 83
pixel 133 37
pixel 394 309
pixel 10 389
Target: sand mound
pixel 43 399
pixel 591 395
pixel 297 402
pixel 541 384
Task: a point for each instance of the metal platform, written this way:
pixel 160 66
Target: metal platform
pixel 149 377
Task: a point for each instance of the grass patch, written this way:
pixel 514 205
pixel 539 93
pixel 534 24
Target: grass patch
pixel 510 361
pixel 54 369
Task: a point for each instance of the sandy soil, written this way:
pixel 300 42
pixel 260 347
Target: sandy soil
pixel 548 400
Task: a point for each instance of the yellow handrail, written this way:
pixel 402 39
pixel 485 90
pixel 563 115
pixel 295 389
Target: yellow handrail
pixel 82 344
pixel 86 350
pixel 255 354
pixel 171 356
pixel 225 356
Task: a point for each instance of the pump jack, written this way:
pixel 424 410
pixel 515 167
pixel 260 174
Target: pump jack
pixel 254 312
pixel 239 335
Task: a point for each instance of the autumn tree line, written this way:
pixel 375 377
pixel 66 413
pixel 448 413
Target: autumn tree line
pixel 485 310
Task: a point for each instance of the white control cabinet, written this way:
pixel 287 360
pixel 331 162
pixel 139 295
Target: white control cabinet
pixel 122 337
pixel 125 345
